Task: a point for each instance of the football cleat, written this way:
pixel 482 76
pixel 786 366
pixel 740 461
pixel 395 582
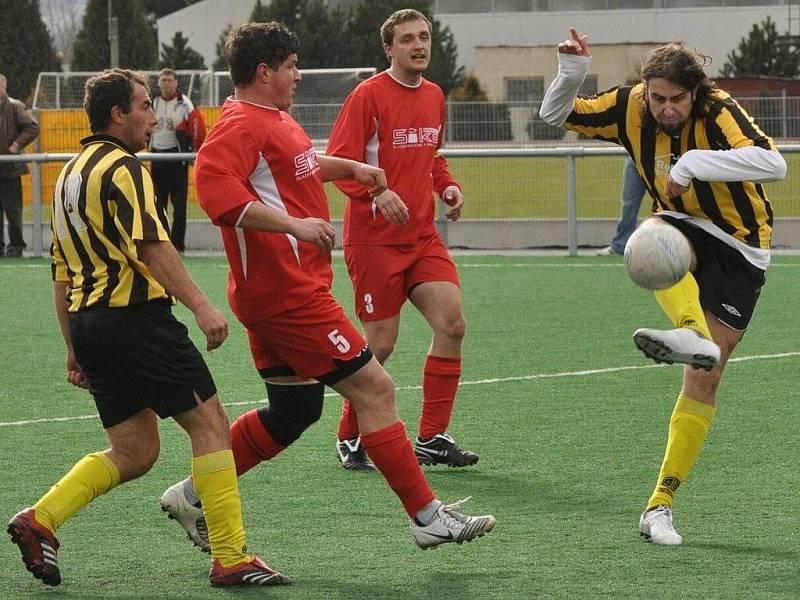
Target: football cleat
pixel 352 455
pixel 682 345
pixel 441 449
pixel 656 526
pixel 38 545
pixel 253 573
pixel 190 517
pixel 450 525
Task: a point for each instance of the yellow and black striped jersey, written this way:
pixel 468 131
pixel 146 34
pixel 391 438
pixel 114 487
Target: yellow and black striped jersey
pixel 621 115
pixel 104 202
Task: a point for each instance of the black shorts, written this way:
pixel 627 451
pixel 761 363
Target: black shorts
pixel 139 357
pixel 729 285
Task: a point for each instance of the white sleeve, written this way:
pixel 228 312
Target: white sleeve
pixel 188 107
pixel 560 97
pixel 750 163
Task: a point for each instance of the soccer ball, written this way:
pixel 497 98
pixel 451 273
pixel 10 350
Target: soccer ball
pixel 657 255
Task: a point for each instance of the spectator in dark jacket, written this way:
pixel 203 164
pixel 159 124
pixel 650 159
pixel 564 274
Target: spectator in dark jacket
pixel 18 128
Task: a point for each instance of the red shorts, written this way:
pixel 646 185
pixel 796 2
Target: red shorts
pixel 383 276
pixel 315 341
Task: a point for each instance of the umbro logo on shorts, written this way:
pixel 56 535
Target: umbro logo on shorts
pixel 731 309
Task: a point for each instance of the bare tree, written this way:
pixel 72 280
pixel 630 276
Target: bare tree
pixel 64 19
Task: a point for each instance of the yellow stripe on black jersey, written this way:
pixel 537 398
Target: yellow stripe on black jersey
pixel 104 202
pixel 739 208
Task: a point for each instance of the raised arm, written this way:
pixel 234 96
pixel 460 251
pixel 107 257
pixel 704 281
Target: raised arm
pixel 573 64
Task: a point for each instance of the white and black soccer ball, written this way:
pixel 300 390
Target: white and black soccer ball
pixel 657 255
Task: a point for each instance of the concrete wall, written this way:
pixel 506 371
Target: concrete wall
pixel 612 63
pixel 498 234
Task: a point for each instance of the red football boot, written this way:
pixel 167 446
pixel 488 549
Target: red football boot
pixel 38 546
pixel 255 572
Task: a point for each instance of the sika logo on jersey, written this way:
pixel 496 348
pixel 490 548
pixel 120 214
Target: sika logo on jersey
pixel 664 163
pixel 415 137
pixel 306 164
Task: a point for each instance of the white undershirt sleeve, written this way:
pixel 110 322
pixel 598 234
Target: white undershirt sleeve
pixel 750 163
pixel 560 97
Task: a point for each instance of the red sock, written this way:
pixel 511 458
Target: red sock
pixel 348 422
pixel 391 451
pixel 251 442
pixel 439 386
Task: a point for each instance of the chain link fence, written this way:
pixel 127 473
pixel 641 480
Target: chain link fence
pixel 319 97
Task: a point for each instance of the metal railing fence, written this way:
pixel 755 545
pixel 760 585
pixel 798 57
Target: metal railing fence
pixel 569 153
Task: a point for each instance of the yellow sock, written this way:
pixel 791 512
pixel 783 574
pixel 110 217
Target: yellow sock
pixel 687 433
pixel 92 476
pixel 215 483
pixel 681 303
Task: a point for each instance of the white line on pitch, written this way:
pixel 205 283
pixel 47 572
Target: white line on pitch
pixel 525 265
pixel 493 380
pixel 593 265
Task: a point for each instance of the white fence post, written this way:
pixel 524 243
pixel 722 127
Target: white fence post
pixel 36 188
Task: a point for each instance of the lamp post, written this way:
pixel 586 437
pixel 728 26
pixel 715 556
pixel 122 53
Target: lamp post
pixel 113 36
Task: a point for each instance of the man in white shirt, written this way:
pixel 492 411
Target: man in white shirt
pixel 180 129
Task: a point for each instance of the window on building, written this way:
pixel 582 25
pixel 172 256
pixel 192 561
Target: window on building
pixel 690 3
pixel 523 89
pixel 631 4
pixel 573 5
pixel 463 6
pixel 515 5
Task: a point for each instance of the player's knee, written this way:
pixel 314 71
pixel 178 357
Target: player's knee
pixel 210 426
pixel 382 350
pixel 149 459
pixel 291 410
pixel 454 327
pixel 381 390
pixel 135 462
pixel 218 422
pixel 458 327
pixel 700 384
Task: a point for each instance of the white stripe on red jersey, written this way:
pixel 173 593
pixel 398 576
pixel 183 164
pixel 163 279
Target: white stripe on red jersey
pixel 260 153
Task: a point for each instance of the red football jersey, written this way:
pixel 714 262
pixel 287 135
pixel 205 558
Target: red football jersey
pixel 399 128
pixel 261 154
